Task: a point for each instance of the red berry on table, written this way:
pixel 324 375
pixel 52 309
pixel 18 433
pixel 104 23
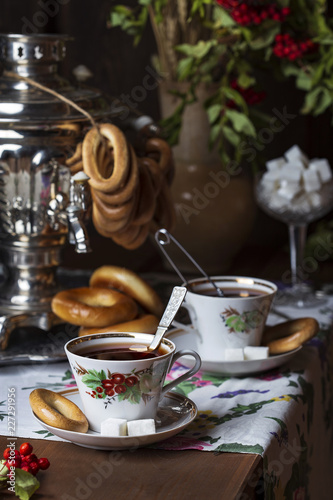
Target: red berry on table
pixel 6 453
pixel 34 468
pixel 31 458
pixel 26 468
pixel 43 463
pixel 25 449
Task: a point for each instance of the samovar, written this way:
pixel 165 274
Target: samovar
pixel 41 205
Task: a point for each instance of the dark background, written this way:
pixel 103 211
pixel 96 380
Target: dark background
pixel 118 67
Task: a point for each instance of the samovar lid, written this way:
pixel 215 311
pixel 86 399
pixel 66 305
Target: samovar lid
pixel 37 57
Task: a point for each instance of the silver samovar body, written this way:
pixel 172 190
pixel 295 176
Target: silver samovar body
pixel 41 205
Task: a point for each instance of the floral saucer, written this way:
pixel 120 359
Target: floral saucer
pixel 188 338
pixel 174 413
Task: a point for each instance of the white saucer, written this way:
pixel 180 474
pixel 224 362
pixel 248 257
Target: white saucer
pixel 188 338
pixel 174 413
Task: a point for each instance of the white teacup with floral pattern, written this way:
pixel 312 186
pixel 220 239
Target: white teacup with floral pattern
pixel 122 388
pixel 235 320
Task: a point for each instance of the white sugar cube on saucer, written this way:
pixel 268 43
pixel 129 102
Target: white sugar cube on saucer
pixel 234 354
pixel 141 427
pixel 311 181
pixel 275 163
pixel 254 352
pixel 322 167
pixel 114 427
pixel 295 153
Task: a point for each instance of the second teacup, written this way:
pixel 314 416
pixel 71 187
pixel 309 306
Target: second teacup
pixel 235 320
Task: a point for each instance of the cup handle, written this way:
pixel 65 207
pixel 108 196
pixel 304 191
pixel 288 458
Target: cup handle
pixel 188 374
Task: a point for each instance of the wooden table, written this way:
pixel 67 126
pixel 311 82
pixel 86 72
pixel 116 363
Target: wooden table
pixel 142 474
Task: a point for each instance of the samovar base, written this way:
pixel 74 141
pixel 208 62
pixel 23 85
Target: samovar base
pixel 29 282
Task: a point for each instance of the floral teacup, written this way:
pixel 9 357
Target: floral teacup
pixel 122 388
pixel 235 320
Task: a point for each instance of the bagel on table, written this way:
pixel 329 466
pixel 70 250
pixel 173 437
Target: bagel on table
pixel 93 307
pixel 289 335
pixel 130 283
pixel 56 410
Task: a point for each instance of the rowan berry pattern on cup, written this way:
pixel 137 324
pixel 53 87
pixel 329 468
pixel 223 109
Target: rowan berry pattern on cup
pixel 135 386
pixel 24 459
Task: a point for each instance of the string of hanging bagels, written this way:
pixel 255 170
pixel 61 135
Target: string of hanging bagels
pixel 130 193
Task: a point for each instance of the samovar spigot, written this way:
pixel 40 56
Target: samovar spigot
pixel 76 210
pixel 71 209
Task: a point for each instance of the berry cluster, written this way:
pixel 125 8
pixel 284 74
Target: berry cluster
pixel 249 95
pixel 24 459
pixel 247 14
pixel 287 47
pixel 116 384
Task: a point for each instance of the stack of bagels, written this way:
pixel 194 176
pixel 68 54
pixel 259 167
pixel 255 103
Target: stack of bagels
pixel 117 300
pixel 130 193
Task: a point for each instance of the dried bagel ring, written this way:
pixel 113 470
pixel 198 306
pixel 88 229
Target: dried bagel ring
pixel 57 411
pixel 155 173
pixel 165 215
pixel 76 167
pixel 105 225
pixel 163 150
pixel 114 212
pixel 140 239
pixel 93 307
pixel 126 192
pixel 77 156
pixel 147 197
pixel 126 236
pixel 289 335
pixel 117 141
pixel 129 282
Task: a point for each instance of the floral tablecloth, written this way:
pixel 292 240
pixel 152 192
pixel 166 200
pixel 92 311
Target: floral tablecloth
pixel 285 415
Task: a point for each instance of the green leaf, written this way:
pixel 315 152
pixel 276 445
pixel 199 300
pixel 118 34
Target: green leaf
pixel 222 19
pixel 25 484
pixel 311 100
pixel 264 39
pixel 184 68
pixel 304 81
pixel 324 101
pixel 231 135
pixel 197 51
pixel 214 112
pixel 245 80
pixel 241 122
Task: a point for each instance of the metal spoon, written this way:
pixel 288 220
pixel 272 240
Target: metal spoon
pixel 175 301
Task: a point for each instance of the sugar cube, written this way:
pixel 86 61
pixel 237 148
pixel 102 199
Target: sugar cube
pixel 114 427
pixel 276 163
pixel 235 354
pixel 295 153
pixel 311 181
pixel 288 190
pixel 254 352
pixel 141 427
pixel 323 168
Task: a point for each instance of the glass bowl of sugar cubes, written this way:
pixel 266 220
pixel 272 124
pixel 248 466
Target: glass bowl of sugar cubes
pixel 296 191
